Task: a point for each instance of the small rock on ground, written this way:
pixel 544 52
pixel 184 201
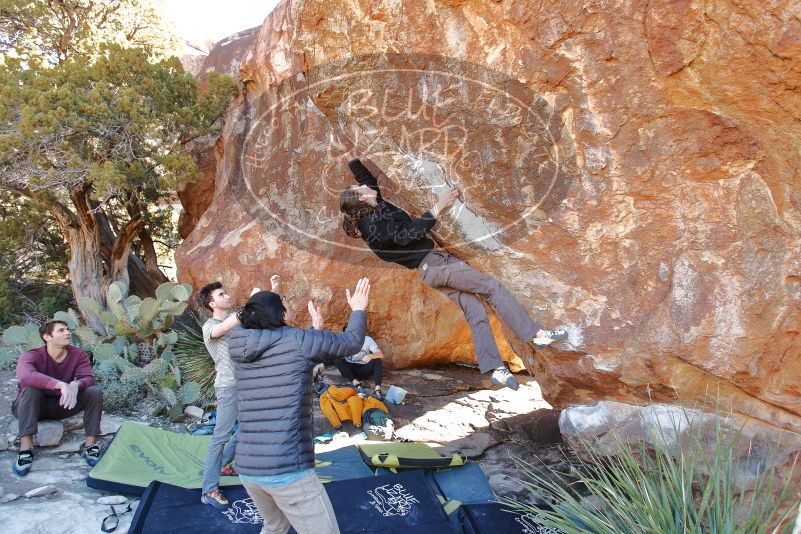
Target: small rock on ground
pixel 471 446
pixel 194 412
pixel 50 433
pixel 74 423
pixel 40 492
pixel 112 499
pixel 110 424
pixel 71 445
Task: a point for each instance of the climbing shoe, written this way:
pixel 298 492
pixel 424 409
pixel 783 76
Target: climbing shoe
pixel 216 498
pixel 23 463
pixel 228 471
pixel 502 377
pixel 546 337
pixel 90 454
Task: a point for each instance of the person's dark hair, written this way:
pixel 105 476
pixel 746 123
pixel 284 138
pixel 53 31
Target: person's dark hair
pixel 47 328
pixel 204 297
pixel 353 210
pixel 263 310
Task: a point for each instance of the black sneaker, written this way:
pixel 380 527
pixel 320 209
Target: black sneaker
pixel 23 464
pixel 548 337
pixel 91 454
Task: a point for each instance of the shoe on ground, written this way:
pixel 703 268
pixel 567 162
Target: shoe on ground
pixel 216 498
pixel 320 387
pixel 90 454
pixel 228 471
pixel 22 465
pixel 549 336
pixel 502 377
pixel 377 394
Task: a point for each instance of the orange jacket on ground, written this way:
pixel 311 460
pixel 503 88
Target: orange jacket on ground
pixel 344 404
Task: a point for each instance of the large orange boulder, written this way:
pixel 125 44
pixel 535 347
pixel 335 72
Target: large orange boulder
pixel 627 169
pixel 196 197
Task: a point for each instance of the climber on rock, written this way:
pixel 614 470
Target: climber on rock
pixel 396 237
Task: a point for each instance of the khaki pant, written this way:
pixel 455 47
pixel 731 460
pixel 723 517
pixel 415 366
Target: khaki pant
pixel 304 504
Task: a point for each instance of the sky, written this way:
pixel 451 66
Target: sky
pixel 198 20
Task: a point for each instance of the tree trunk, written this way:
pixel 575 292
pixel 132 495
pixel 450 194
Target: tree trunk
pixel 97 256
pixel 143 283
pixel 85 266
pixel 150 256
pixel 118 260
pixel 87 275
pixel 151 260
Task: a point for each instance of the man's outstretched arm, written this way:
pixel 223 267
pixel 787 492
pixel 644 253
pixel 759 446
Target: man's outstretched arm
pixel 232 321
pixel 224 327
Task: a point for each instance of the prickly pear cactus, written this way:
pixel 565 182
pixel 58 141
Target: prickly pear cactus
pixel 143 319
pixel 17 339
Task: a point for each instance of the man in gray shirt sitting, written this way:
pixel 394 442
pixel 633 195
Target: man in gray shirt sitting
pixel 365 364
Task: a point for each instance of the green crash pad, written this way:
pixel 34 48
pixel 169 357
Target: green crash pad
pixel 406 455
pixel 140 454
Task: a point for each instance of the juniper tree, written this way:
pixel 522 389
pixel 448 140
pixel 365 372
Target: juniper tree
pixel 54 30
pixel 97 136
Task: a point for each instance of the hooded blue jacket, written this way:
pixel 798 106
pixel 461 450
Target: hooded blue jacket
pixel 273 370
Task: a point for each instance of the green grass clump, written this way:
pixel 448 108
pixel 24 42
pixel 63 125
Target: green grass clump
pixel 690 485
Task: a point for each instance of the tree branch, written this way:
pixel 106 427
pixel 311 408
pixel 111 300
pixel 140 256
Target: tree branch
pixel 69 26
pixel 122 247
pixel 80 198
pixel 64 217
pixel 134 209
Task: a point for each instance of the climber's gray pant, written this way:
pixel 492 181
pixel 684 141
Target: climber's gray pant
pixel 467 287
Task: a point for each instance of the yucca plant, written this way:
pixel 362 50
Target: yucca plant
pixel 689 485
pixel 193 359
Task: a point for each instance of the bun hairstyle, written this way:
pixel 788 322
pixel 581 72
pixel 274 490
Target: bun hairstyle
pixel 264 310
